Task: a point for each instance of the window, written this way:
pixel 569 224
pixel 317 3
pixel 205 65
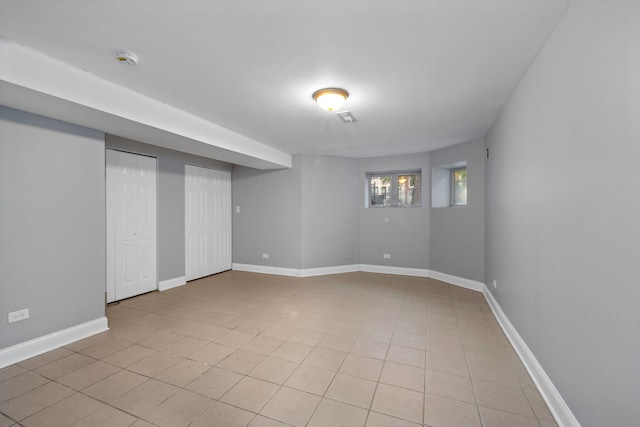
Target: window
pixel 400 189
pixel 458 186
pixel 449 185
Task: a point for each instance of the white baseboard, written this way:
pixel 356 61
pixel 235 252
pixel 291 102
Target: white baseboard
pixel 266 269
pixel 459 281
pixel 36 346
pixel 369 268
pixel 294 272
pixel 165 285
pixel 336 269
pixel 322 271
pixel 400 271
pixel 558 407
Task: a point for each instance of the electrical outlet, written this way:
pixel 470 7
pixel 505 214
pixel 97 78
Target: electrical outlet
pixel 16 316
pixel 386 256
pixel 265 256
pixel 495 284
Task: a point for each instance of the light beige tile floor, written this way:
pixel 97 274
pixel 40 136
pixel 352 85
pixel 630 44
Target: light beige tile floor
pixel 238 349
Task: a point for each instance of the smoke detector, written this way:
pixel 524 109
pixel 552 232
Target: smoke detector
pixel 126 56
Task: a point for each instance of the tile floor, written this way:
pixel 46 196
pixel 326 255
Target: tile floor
pixel 238 349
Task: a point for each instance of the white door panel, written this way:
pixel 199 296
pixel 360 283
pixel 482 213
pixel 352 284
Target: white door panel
pixel 131 225
pixel 208 221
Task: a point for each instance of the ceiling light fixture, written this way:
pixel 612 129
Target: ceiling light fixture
pixel 330 98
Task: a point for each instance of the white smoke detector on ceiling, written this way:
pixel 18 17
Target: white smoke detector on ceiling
pixel 126 56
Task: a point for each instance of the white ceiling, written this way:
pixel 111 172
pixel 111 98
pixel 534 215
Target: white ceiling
pixel 422 74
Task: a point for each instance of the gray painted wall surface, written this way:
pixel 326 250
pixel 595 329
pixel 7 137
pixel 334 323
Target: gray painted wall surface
pixel 563 202
pixel 171 198
pixel 331 197
pixel 320 220
pixel 401 232
pixel 52 225
pixel 270 216
pixel 457 233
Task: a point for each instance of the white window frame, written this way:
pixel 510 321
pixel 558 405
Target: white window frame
pixel 441 184
pixel 393 189
pixel 452 191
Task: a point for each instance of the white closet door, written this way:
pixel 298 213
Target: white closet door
pixel 208 221
pixel 131 225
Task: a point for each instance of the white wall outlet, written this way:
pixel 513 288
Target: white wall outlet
pixel 265 256
pixel 237 209
pixel 386 256
pixel 495 284
pixel 16 316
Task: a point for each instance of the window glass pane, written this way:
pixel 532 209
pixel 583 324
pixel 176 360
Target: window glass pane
pixel 409 190
pixel 394 189
pixel 459 186
pixel 380 190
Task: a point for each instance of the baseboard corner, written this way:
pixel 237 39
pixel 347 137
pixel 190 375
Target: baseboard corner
pixel 399 271
pixel 165 285
pixel 266 269
pixel 463 282
pixel 323 271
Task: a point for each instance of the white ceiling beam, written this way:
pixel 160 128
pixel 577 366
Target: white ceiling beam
pixel 36 83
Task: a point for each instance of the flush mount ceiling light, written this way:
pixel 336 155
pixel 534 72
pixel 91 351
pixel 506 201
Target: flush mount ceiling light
pixel 330 98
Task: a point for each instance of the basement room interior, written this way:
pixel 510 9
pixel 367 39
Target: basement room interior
pixel 295 213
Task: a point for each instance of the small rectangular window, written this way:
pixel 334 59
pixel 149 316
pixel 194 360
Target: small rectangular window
pixel 459 186
pixel 394 189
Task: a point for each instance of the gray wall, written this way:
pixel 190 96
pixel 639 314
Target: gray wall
pixel 303 217
pixel 401 232
pixel 457 233
pixel 171 208
pixel 52 225
pixel 563 203
pixel 313 215
pixel 270 216
pixel 331 198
